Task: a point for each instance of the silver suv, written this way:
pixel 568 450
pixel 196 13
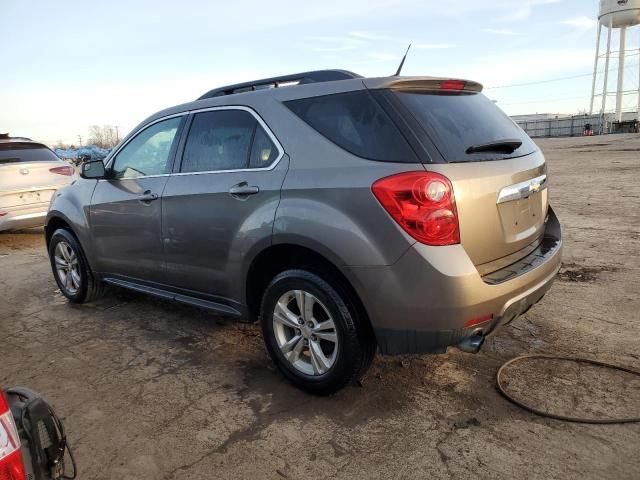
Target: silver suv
pixel 346 214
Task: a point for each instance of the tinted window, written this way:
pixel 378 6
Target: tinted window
pixel 15 152
pixel 355 122
pixel 219 140
pixel 457 121
pixel 149 153
pixel 263 151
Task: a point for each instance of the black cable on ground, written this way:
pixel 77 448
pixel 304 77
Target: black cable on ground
pixel 562 417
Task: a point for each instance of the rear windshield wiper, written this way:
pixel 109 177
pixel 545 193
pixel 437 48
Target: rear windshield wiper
pixel 499 146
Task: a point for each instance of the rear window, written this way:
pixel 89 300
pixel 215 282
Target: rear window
pixel 355 122
pixel 25 153
pixel 457 121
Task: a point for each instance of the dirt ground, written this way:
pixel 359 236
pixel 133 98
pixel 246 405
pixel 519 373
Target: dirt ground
pixel 149 389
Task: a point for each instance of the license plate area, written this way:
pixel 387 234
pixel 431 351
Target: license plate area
pixel 523 217
pixel 25 198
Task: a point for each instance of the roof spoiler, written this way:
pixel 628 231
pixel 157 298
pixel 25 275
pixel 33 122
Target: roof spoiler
pixel 275 82
pixel 430 84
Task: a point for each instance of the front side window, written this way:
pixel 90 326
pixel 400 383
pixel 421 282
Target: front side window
pixel 149 153
pixel 219 140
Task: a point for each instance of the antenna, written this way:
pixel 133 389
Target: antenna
pixel 402 62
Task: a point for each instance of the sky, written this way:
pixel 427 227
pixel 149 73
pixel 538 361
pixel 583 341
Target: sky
pixel 70 64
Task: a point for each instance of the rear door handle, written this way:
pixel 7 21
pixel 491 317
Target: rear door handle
pixel 147 196
pixel 243 190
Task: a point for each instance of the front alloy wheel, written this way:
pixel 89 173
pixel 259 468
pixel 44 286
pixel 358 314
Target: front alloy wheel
pixel 70 269
pixel 67 268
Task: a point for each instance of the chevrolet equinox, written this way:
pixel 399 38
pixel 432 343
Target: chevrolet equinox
pixel 345 214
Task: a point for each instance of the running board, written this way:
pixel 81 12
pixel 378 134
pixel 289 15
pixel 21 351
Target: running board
pixel 178 297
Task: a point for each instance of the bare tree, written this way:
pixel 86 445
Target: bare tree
pixel 105 136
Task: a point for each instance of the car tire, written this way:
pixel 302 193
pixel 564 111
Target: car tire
pixel 78 284
pixel 332 345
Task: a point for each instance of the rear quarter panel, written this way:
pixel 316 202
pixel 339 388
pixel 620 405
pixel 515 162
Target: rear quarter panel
pixel 327 203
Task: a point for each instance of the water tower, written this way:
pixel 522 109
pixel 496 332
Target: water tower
pixel 619 15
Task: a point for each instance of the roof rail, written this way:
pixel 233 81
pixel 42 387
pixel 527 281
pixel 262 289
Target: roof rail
pixel 275 82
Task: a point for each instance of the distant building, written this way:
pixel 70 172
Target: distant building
pixel 559 125
pixel 538 116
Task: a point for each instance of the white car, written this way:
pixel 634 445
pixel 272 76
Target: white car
pixel 30 173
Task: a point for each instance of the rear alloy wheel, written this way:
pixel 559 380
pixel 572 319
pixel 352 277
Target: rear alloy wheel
pixel 314 333
pixel 71 270
pixel 305 332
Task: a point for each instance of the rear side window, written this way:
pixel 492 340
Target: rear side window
pixel 263 151
pixel 15 152
pixel 355 122
pixel 457 121
pixel 227 140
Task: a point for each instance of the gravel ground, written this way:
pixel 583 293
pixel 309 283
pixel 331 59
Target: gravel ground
pixel 148 389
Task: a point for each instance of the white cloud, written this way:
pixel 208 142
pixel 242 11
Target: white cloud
pixel 514 67
pixel 334 48
pixel 385 56
pixel 334 44
pixel 499 31
pixel 368 36
pixel 581 23
pixel 505 10
pixel 433 46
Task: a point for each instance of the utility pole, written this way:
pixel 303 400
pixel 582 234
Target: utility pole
pixel 117 135
pixel 79 140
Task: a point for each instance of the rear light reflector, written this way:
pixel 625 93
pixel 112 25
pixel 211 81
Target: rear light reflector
pixel 477 321
pixel 423 204
pixel 11 466
pixel 68 171
pixel 452 85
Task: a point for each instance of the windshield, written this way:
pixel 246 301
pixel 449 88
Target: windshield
pixel 459 123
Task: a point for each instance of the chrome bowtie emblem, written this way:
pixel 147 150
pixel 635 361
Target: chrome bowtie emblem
pixel 24 171
pixel 522 190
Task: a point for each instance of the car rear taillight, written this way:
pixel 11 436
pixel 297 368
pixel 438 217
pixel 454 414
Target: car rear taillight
pixel 11 466
pixel 68 171
pixel 423 204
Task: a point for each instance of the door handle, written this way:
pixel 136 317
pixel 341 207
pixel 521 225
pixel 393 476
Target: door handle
pixel 147 196
pixel 243 190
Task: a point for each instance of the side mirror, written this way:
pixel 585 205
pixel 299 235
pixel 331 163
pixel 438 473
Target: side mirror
pixel 94 169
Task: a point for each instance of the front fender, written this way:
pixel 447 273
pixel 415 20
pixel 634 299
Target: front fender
pixel 71 204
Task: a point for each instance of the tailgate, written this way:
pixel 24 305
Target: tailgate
pixel 492 227
pixel 25 176
pixel 497 172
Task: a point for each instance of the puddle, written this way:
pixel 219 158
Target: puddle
pixel 577 273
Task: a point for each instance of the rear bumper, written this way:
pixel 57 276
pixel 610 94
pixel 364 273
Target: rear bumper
pixel 422 303
pixel 23 216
